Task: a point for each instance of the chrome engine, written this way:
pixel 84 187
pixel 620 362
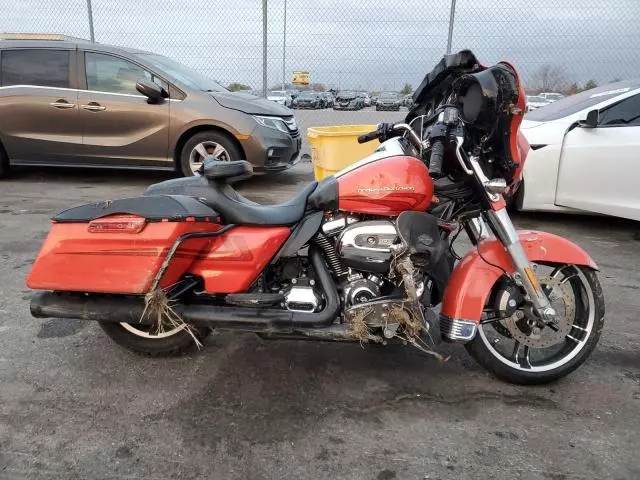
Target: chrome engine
pixel 366 246
pixel 302 299
pixel 361 289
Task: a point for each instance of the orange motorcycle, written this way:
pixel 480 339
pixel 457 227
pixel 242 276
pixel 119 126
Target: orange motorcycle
pixel 364 256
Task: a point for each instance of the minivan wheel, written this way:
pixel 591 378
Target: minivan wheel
pixel 206 143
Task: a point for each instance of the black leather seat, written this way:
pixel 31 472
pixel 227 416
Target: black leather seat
pixel 234 208
pixel 214 191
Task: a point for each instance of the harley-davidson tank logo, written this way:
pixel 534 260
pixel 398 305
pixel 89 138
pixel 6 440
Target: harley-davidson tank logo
pixel 382 185
pixel 386 188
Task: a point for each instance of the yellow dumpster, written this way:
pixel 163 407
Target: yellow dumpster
pixel 334 148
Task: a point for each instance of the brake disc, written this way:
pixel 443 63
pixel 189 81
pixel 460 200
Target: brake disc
pixel 525 327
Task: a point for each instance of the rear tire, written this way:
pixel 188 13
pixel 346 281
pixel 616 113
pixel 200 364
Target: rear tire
pixel 209 140
pixel 173 344
pixel 490 359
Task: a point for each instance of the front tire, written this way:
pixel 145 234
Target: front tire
pixel 210 142
pixel 140 339
pixel 492 349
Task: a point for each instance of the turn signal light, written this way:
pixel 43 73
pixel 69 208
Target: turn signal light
pixel 117 224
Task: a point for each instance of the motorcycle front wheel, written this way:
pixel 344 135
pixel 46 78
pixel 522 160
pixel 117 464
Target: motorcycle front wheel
pixel 520 350
pixel 142 339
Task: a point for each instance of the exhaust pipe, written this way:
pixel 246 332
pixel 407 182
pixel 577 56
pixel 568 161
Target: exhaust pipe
pixel 130 309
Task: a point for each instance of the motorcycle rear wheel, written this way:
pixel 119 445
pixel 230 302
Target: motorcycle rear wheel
pixel 142 340
pixel 518 363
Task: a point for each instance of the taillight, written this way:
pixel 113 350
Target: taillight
pixel 117 224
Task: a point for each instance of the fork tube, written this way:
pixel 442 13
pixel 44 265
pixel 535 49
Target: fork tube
pixel 505 231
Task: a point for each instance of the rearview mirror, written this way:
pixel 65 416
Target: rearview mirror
pixel 154 92
pixel 592 120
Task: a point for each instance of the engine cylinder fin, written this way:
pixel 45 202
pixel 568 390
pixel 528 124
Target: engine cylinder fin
pixel 330 254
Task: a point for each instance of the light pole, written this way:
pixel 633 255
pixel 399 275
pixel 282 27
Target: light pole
pixel 452 16
pixel 284 44
pixel 90 12
pixel 264 48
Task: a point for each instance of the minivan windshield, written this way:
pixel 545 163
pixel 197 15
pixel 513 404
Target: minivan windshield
pixel 181 73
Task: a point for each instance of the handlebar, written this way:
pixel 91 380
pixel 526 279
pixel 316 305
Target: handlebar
pixel 384 131
pixel 367 137
pixel 437 156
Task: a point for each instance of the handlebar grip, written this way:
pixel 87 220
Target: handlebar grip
pixel 367 137
pixel 437 156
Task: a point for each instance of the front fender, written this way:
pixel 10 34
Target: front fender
pixel 473 278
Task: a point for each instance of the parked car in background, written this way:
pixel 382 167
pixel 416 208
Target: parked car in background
pixel 584 153
pixel 348 100
pixel 308 99
pixel 366 99
pixel 535 101
pixel 388 101
pixel 407 100
pixel 328 99
pixel 280 96
pixel 551 96
pixel 87 104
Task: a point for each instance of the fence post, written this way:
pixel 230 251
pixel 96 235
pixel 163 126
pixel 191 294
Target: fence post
pixel 452 16
pixel 90 12
pixel 264 48
pixel 284 44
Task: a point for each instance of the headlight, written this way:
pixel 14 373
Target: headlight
pixel 272 122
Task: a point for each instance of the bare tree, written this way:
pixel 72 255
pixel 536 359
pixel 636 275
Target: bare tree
pixel 550 78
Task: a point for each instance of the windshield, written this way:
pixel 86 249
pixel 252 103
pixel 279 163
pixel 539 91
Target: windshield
pixel 554 96
pixel 346 94
pixel 581 101
pixel 307 95
pixel 389 95
pixel 536 99
pixel 277 94
pixel 183 74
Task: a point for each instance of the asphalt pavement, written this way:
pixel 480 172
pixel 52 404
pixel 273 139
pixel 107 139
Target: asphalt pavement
pixel 73 405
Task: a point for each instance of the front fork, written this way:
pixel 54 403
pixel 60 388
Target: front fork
pixel 505 231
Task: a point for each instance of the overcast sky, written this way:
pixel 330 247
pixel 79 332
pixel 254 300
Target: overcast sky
pixel 354 43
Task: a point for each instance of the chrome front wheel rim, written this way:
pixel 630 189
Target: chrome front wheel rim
pixel 520 357
pixel 203 149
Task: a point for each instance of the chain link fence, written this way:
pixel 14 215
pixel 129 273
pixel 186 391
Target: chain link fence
pixel 557 45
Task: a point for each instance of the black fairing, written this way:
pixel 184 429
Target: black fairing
pixel 487 98
pixel 165 207
pixel 436 84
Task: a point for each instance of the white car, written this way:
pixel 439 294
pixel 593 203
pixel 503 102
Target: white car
pixel 281 97
pixel 585 153
pixel 534 102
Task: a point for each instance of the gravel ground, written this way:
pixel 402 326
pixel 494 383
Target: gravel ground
pixel 75 405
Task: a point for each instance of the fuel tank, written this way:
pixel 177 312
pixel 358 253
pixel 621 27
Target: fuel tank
pixel 385 186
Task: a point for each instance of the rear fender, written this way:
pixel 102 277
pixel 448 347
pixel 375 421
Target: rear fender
pixel 473 278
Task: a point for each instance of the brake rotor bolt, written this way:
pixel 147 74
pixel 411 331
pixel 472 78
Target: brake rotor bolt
pixel 294 280
pixel 512 303
pixel 312 282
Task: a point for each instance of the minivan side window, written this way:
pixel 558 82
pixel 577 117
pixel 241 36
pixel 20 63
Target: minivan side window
pixel 43 68
pixel 106 73
pixel 623 114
